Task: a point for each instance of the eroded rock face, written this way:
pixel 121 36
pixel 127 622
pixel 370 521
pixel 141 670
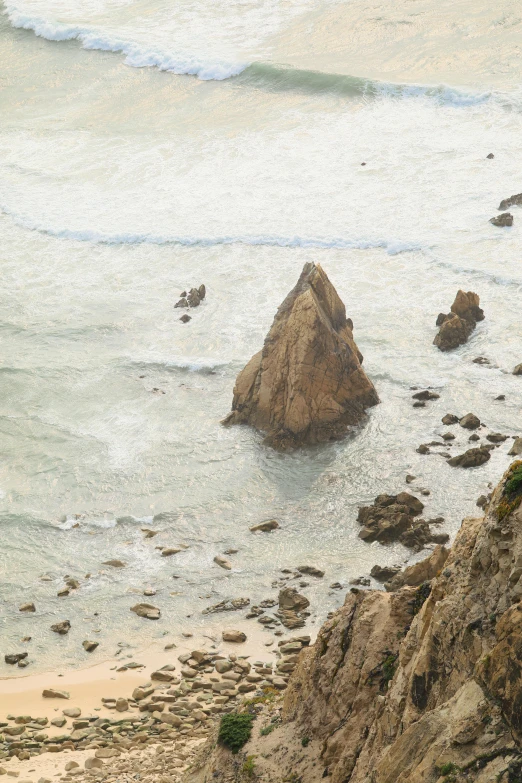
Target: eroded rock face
pixel 457 326
pixel 307 384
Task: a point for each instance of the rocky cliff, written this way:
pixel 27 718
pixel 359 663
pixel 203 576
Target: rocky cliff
pixel 307 384
pixel 418 685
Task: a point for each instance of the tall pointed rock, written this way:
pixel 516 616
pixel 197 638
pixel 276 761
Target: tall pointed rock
pixel 306 385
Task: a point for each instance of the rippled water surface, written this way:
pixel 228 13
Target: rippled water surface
pixel 121 186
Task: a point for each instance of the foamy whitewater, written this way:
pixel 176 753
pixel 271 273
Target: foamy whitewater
pixel 147 147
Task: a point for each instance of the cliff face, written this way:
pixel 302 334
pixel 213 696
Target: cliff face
pixel 454 700
pixel 307 384
pixel 421 685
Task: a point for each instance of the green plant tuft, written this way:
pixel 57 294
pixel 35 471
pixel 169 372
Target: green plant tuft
pixel 267 729
pixel 305 741
pixel 235 729
pixel 249 767
pixel 448 769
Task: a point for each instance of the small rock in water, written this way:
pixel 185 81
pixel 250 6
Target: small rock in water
pixel 490 156
pixel 63 593
pixel 149 533
pixel 474 437
pixel 169 551
pixel 223 562
pixel 511 201
pixel 409 478
pixel 516 448
pixel 89 646
pixel 450 418
pixel 471 458
pixel 448 436
pixel 482 501
pixel 146 610
pixel 501 397
pixel 517 370
pixel 62 628
pixel 496 437
pixel 27 608
pixel 470 421
pixel 481 360
pixel 234 636
pixel 115 563
pixel 505 220
pixel 185 319
pixel 384 573
pixel 311 571
pixel 15 658
pixel 426 395
pixel 149 591
pixel 265 527
pixel 182 302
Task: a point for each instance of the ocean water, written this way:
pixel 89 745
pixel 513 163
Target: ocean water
pixel 147 147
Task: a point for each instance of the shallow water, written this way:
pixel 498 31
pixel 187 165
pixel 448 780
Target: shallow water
pixel 121 186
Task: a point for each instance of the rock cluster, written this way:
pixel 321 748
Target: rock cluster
pixel 169 708
pixel 307 384
pixel 456 326
pixel 193 298
pixel 393 518
pixel 512 201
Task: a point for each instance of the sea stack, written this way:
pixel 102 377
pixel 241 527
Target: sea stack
pixel 307 384
pixel 456 326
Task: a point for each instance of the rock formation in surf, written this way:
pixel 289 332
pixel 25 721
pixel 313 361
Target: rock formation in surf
pixel 306 385
pixel 420 684
pixel 456 326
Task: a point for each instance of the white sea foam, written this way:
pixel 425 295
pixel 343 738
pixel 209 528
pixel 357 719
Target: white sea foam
pixel 136 55
pixel 392 247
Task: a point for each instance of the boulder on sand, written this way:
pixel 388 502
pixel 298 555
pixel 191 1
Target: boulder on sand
pixel 307 384
pixel 456 326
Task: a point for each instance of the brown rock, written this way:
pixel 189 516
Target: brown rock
pixel 450 418
pixel 223 562
pixel 15 658
pixel 234 636
pixel 115 563
pixel 307 384
pixel 265 527
pixel 424 571
pixel 456 327
pixel 185 319
pixel 62 628
pixel 311 571
pixel 472 458
pixel 53 693
pixel 516 448
pixel 470 421
pixel 505 220
pixel 518 370
pixel 89 646
pixel 512 201
pixel 384 573
pixel 146 610
pixel 290 599
pixel 27 608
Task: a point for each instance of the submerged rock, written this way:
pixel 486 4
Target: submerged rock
pixel 392 518
pixel 265 527
pixel 307 384
pixel 457 326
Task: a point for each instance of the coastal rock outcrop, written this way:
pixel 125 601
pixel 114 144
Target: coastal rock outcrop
pixel 505 220
pixel 393 518
pixel 307 384
pixel 512 201
pixel 457 326
pixel 418 685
